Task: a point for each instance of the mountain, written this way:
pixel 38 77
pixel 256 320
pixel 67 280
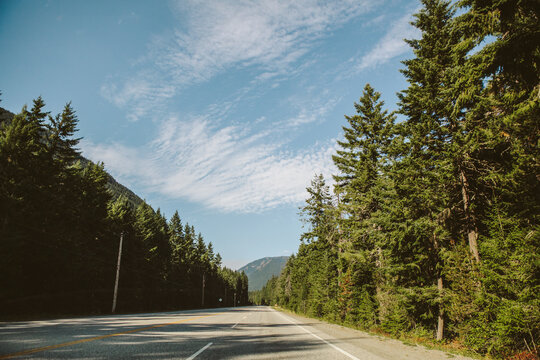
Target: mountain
pixel 5 116
pixel 114 187
pixel 262 270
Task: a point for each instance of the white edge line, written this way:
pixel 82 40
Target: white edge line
pixel 200 351
pixel 318 337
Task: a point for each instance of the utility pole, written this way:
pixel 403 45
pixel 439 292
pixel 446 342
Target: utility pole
pixel 234 299
pixel 117 273
pixel 203 284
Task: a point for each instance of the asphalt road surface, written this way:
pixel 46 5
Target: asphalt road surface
pixel 255 332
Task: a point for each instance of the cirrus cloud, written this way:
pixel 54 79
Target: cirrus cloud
pixel 391 45
pixel 214 36
pixel 228 169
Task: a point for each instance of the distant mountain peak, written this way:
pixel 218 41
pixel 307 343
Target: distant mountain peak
pixel 262 270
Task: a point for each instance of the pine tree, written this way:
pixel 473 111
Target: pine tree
pixel 499 89
pixel 423 169
pixel 359 186
pixel 61 130
pixel 320 253
pixel 497 95
pixel 360 163
pixel 318 212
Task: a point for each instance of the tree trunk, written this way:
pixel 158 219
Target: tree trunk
pixel 440 323
pixel 203 285
pixel 472 232
pixel 339 245
pixel 440 319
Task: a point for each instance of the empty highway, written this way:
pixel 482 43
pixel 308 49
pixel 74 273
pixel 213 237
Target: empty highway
pixel 256 332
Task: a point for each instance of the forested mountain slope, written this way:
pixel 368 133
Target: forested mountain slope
pixel 262 270
pixel 61 221
pixel 433 228
pixel 117 189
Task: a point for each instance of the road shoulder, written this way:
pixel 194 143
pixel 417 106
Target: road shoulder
pixel 383 347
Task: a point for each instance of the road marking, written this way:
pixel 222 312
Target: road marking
pixel 200 351
pixel 368 355
pixel 239 322
pixel 52 347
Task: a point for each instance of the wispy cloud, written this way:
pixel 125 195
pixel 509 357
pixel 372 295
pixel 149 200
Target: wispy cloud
pixel 312 112
pixel 270 34
pixel 218 35
pixel 391 45
pixel 206 159
pixel 229 169
pixel 139 94
pixel 124 162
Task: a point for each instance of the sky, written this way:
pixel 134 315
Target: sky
pixel 221 109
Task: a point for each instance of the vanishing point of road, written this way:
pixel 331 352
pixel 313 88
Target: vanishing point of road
pixel 255 332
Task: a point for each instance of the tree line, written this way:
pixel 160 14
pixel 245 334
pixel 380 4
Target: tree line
pixel 60 227
pixel 432 229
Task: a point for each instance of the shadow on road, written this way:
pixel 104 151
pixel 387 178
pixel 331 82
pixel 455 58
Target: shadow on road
pixel 165 341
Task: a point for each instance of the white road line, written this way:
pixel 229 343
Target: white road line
pixel 239 321
pixel 366 355
pixel 200 351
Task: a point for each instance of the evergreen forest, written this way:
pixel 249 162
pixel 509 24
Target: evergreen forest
pixel 432 228
pixel 61 221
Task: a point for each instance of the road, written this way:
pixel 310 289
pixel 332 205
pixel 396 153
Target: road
pixel 256 332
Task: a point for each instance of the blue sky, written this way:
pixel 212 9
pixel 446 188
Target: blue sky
pixel 221 109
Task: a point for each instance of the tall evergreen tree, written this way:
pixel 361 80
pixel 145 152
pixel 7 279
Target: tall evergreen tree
pixel 319 253
pixel 359 185
pixel 318 211
pixel 61 130
pixel 497 94
pixel 176 237
pixel 423 171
